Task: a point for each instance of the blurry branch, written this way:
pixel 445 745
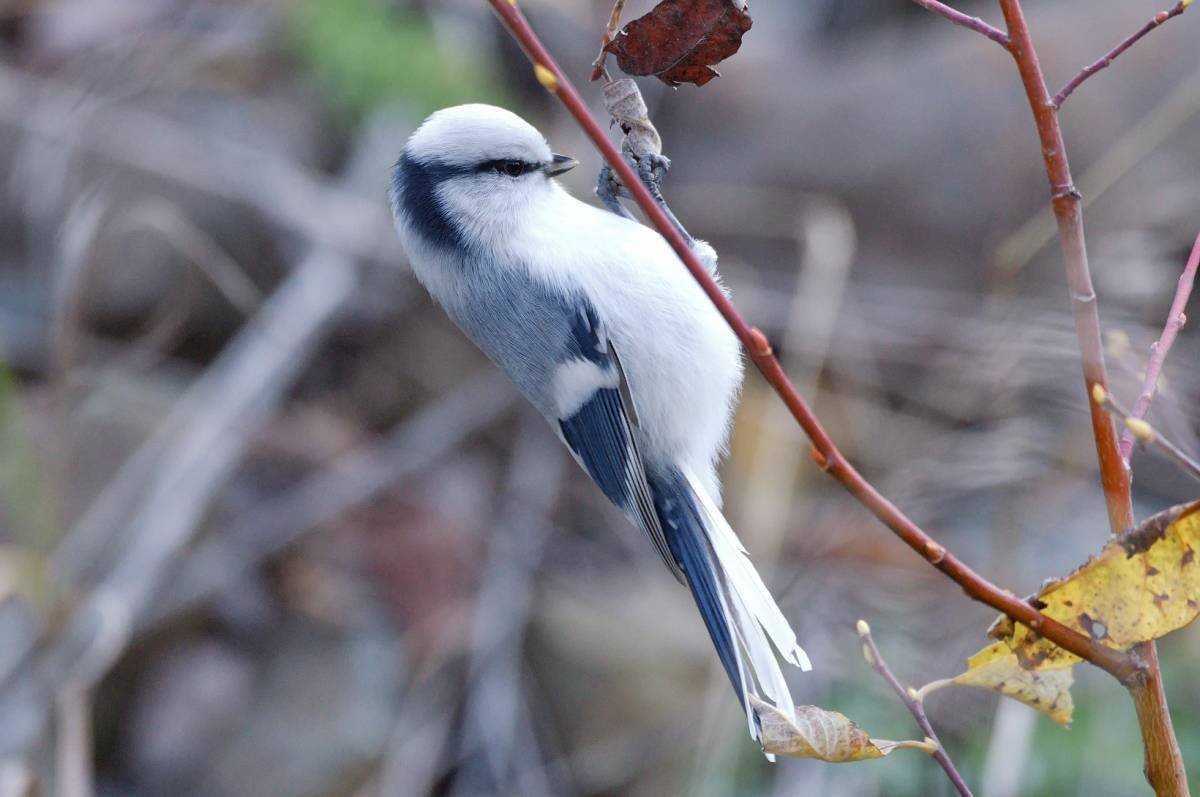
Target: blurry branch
pixel 1146 434
pixel 74 752
pixel 349 481
pixel 492 725
pixel 1013 726
pixel 958 18
pixel 421 732
pixel 285 193
pixel 207 429
pixel 160 216
pixel 174 475
pixel 1158 352
pixel 914 701
pixel 825 236
pixel 1111 55
pixel 825 452
pixel 17 779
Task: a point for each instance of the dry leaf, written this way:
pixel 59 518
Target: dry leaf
pixel 1143 585
pixel 1047 690
pixel 817 733
pixel 678 41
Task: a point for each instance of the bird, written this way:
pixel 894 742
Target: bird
pixel 601 328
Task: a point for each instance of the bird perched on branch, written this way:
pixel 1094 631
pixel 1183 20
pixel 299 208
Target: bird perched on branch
pixel 603 330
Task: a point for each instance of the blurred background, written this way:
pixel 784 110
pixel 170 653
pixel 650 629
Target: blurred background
pixel 270 526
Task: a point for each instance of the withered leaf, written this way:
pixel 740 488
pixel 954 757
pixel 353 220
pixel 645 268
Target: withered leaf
pixel 1048 690
pixel 678 41
pixel 817 733
pixel 1144 584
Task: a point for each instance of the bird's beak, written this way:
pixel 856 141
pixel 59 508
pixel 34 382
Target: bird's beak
pixel 560 164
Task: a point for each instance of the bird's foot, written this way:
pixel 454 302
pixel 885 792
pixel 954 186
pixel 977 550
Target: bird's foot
pixel 651 169
pixel 610 191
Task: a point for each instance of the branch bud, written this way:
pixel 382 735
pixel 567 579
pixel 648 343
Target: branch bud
pixel 1143 431
pixel 1099 394
pixel 544 76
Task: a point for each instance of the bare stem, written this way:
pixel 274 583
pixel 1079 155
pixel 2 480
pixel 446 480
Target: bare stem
pixel 825 452
pixel 1111 55
pixel 1158 353
pixel 1163 761
pixel 913 701
pixel 958 18
pixel 599 67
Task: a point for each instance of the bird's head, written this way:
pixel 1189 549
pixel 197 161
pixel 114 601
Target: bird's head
pixel 469 169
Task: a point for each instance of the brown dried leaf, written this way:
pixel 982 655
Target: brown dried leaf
pixel 997 668
pixel 678 41
pixel 1143 585
pixel 817 733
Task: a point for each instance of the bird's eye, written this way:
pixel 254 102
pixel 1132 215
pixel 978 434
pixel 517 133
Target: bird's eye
pixel 511 168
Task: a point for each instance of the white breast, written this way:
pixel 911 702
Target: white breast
pixel 682 360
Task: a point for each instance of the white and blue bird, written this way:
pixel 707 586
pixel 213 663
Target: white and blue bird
pixel 603 330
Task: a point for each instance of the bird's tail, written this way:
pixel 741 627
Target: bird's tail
pixel 737 609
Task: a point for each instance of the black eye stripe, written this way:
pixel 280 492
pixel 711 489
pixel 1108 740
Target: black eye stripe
pixel 509 167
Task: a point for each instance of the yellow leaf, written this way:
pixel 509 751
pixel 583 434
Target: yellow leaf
pixel 1143 585
pixel 825 735
pixel 1047 690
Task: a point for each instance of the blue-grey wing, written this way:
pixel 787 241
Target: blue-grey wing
pixel 554 347
pixel 602 431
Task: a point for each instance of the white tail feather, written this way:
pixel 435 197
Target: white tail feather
pixel 750 611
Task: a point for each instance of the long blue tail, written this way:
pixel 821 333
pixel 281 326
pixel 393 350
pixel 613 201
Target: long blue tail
pixel 745 624
pixel 684 530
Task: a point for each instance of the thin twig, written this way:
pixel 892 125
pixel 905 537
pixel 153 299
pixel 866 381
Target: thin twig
pixel 959 18
pixel 825 452
pixel 1111 55
pixel 599 66
pixel 1164 767
pixel 1146 434
pixel 1158 352
pixel 913 702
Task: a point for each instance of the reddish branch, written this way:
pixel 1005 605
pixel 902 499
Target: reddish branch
pixel 1111 55
pixel 915 706
pixel 827 455
pixel 958 18
pixel 1158 353
pixel 1068 213
pixel 1164 767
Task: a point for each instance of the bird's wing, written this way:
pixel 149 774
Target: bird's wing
pixel 598 422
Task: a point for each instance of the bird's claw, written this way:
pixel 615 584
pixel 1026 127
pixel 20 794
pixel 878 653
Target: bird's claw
pixel 651 169
pixel 610 191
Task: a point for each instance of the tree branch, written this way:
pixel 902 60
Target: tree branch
pixel 1111 55
pixel 958 18
pixel 827 455
pixel 1163 761
pixel 1158 352
pixel 914 703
